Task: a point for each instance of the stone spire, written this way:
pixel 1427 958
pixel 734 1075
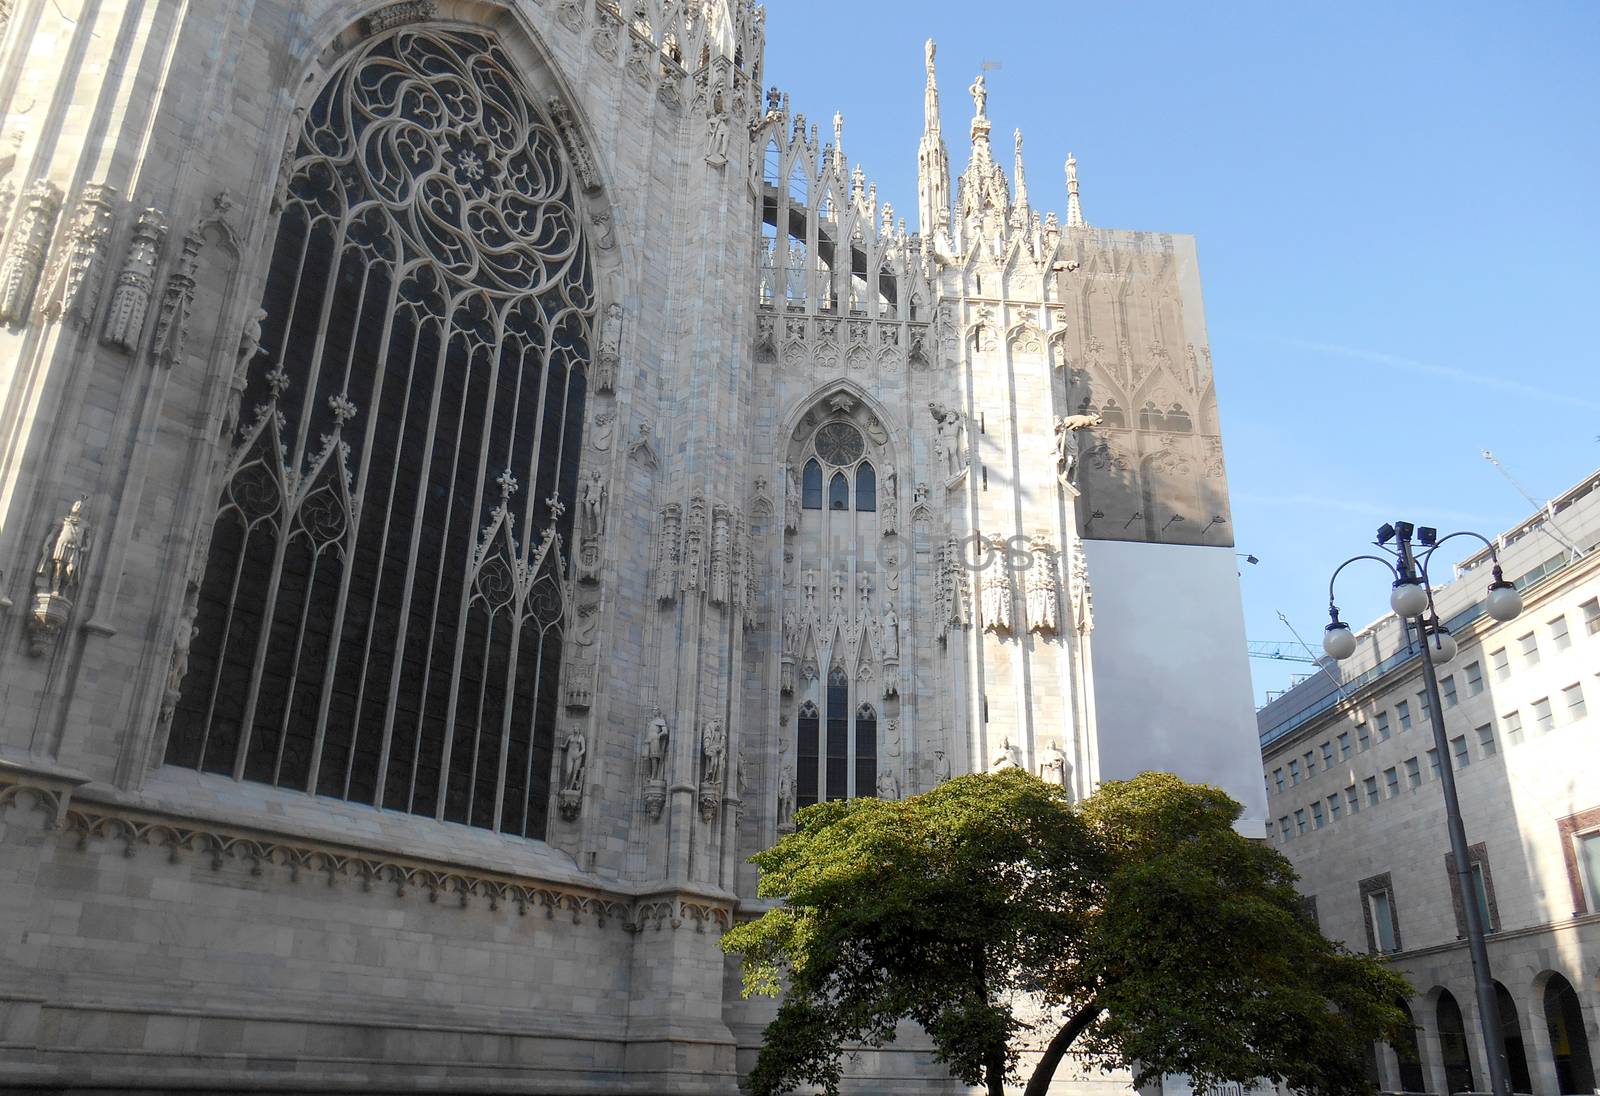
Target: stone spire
pixel 1074 209
pixel 933 163
pixel 983 195
pixel 1020 213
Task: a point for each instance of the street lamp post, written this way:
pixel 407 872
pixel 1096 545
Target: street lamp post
pixel 1412 601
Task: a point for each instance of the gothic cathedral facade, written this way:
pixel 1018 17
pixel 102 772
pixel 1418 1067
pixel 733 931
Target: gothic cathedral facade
pixel 470 470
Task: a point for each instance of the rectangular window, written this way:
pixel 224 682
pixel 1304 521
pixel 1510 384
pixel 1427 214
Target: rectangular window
pixel 1447 692
pixel 1277 778
pixel 1458 751
pixel 1542 717
pixel 1300 821
pixel 1501 664
pixel 1311 762
pixel 1335 807
pixel 1486 745
pixel 1327 755
pixel 1344 745
pixel 1403 710
pixel 1576 708
pixel 1382 911
pixel 1391 780
pixel 1283 827
pixel 1513 722
pixel 1363 737
pixel 1589 866
pixel 1317 819
pixel 1371 785
pixel 1591 615
pixel 1433 763
pixel 1294 773
pixel 1424 706
pixel 1473 672
pixel 1383 726
pixel 1530 649
pixel 1558 633
pixel 1413 773
pixel 1352 799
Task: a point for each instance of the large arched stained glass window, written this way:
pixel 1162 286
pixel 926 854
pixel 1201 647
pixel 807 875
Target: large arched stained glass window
pixel 380 618
pixel 806 752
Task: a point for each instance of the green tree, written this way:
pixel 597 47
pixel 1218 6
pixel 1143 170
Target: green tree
pixel 1139 925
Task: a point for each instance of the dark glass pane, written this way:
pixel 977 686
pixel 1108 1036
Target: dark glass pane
pixel 811 486
pixel 838 734
pixel 806 757
pixel 839 492
pixel 866 751
pixel 866 488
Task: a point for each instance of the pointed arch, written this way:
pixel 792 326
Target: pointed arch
pixel 866 488
pixel 838 492
pixel 811 485
pixel 807 728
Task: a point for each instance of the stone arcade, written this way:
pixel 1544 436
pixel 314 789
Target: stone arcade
pixel 472 470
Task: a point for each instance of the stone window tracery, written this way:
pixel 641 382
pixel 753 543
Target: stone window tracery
pixel 380 617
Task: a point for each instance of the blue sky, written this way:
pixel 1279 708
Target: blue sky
pixel 1395 207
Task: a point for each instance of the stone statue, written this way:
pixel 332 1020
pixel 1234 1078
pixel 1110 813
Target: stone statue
pixel 929 48
pixel 1006 757
pixel 592 504
pixel 713 750
pixel 1053 765
pixel 941 766
pixel 656 738
pixel 891 633
pixel 996 595
pixel 948 427
pixel 786 797
pixel 791 498
pixel 980 94
pixel 1043 594
pixel 573 755
pixel 717 131
pixel 1067 444
pixel 888 786
pixel 63 554
pixel 610 355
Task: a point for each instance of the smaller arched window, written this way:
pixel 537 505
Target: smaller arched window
pixel 1111 415
pixel 805 782
pixel 838 734
pixel 811 486
pixel 866 750
pixel 1178 419
pixel 866 488
pixel 839 492
pixel 1150 417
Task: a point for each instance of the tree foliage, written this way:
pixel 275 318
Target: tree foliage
pixel 1137 929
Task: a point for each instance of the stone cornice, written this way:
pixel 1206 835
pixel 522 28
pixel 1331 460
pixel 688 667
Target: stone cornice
pixel 299 858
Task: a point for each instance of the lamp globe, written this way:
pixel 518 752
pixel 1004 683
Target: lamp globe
pixel 1338 641
pixel 1408 598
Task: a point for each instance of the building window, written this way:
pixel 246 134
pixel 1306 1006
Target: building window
pixel 1277 778
pixel 1559 637
pixel 1473 672
pixel 1403 710
pixel 1414 772
pixel 811 485
pixel 1311 762
pixel 866 488
pixel 1344 745
pixel 838 492
pixel 1300 821
pixel 1382 721
pixel 1382 919
pixel 1458 750
pixel 1580 837
pixel 1317 818
pixel 1371 784
pixel 1513 722
pixel 866 750
pixel 1433 763
pixel 1335 807
pixel 1482 890
pixel 1500 662
pixel 1530 649
pixel 838 760
pixel 1542 717
pixel 1591 615
pixel 807 756
pixel 1576 708
pixel 1486 744
pixel 1283 827
pixel 1424 706
pixel 1363 737
pixel 383 606
pixel 1391 780
pixel 1294 772
pixel 1352 799
pixel 1447 692
pixel 1327 755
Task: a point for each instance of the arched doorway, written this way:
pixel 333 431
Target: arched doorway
pixel 1409 1055
pixel 1516 1050
pixel 1453 1044
pixel 1568 1041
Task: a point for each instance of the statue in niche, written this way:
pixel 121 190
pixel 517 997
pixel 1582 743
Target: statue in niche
pixel 1067 445
pixel 610 355
pixel 713 750
pixel 791 499
pixel 717 130
pixel 891 633
pixel 941 766
pixel 791 630
pixel 786 799
pixel 656 738
pixel 592 504
pixel 1006 757
pixel 68 543
pixel 949 426
pixel 1053 766
pixel 888 786
pixel 891 737
pixel 574 752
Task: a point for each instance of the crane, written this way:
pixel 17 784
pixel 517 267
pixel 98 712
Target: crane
pixel 1283 652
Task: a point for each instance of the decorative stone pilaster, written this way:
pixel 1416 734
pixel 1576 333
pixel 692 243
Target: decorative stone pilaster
pixel 73 284
pixel 24 260
pixel 130 300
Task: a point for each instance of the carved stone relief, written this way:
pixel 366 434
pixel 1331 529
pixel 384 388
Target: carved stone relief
pixel 75 279
pixel 130 298
pixel 668 552
pixel 574 760
pixel 24 259
pixel 997 592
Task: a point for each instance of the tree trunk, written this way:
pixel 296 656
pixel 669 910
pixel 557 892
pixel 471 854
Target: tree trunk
pixel 1039 1083
pixel 995 1070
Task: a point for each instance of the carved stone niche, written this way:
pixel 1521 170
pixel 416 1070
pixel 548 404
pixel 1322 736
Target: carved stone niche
pixel 580 684
pixel 56 579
